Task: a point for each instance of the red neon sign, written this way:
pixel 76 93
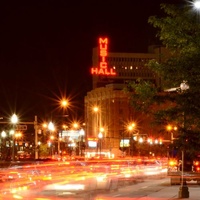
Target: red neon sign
pixel 103 65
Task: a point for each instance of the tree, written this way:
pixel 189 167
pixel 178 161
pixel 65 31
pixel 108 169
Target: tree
pixel 179 32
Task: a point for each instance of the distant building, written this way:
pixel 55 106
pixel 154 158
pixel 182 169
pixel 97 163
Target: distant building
pixel 114 111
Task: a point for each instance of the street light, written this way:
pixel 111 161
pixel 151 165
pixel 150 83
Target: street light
pixel 196 4
pixel 100 136
pixel 51 126
pixel 130 129
pixel 96 110
pixel 51 140
pixel 75 125
pixel 64 103
pixel 81 141
pixel 183 190
pixel 51 129
pixel 3 135
pixel 14 121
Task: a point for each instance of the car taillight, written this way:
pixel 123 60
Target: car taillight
pixel 198 169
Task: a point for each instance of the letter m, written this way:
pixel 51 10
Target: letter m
pixel 101 40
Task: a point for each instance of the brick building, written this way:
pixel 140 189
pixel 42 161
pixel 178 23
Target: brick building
pixel 114 111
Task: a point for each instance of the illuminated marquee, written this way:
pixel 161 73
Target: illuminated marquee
pixel 103 65
pixel 92 142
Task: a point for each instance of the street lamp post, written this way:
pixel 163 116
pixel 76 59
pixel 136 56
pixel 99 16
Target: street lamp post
pixel 96 110
pixel 64 104
pixel 3 135
pixel 36 138
pixel 52 141
pixel 81 142
pixel 96 124
pixel 183 190
pixel 51 129
pixel 130 129
pixel 100 136
pixel 14 121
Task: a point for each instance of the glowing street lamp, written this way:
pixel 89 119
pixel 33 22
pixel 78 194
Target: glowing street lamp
pixel 196 4
pixel 95 109
pixel 51 126
pixel 14 121
pixel 130 128
pixel 3 135
pixel 64 103
pixel 75 125
pixel 102 129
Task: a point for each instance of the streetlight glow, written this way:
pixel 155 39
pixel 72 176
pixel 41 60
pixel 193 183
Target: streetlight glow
pixel 184 86
pixel 14 119
pixel 101 129
pixel 12 132
pixel 75 125
pixel 131 126
pixel 96 109
pixel 3 134
pixel 64 103
pixel 196 4
pixel 100 135
pixel 51 126
pixel 82 132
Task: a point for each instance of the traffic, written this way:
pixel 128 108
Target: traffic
pixel 74 178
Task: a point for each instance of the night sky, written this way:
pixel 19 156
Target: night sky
pixel 46 48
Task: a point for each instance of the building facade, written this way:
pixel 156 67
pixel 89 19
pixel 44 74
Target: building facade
pixel 113 111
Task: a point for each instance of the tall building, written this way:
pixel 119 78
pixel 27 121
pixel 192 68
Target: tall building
pixel 113 112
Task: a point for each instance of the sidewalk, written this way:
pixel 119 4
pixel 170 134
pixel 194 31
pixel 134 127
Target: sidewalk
pixel 172 192
pixel 165 192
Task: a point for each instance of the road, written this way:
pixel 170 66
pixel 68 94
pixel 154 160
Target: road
pixel 150 189
pixel 137 190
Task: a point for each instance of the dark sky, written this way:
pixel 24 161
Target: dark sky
pixel 46 48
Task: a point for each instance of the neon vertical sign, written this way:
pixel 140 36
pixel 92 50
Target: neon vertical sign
pixel 103 65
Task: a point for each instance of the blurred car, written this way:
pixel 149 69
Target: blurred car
pixel 153 167
pixel 130 171
pixel 106 176
pixel 72 185
pixel 15 182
